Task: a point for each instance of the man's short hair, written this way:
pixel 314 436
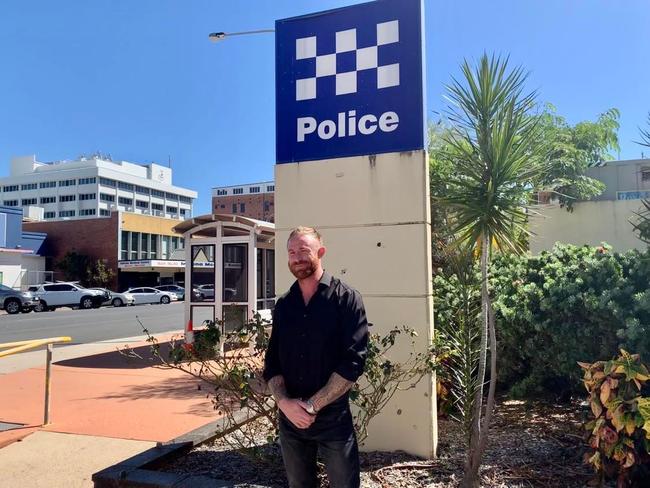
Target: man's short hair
pixel 305 231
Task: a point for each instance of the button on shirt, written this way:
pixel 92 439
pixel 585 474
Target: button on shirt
pixel 310 342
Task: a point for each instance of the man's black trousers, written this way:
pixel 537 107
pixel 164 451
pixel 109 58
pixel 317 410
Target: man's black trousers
pixel 336 446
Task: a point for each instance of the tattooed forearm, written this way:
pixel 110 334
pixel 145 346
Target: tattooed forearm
pixel 278 390
pixel 335 387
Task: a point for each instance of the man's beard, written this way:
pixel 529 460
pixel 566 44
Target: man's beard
pixel 307 268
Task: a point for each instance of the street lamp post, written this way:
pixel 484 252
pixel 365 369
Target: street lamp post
pixel 220 36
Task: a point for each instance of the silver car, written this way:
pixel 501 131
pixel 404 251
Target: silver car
pixel 14 301
pixel 151 295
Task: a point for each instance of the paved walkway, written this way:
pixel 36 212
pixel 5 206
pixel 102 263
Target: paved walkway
pixel 104 409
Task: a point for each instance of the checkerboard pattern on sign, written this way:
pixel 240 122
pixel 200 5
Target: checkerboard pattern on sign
pixel 366 59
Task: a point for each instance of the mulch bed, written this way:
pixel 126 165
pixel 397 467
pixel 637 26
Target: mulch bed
pixel 531 445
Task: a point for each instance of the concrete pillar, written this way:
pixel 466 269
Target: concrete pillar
pixel 373 212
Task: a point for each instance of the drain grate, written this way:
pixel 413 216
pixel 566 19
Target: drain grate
pixel 9 426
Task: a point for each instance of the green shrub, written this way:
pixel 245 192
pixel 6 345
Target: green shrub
pixel 568 305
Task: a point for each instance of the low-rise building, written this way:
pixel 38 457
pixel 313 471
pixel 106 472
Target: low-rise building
pixel 605 218
pixel 140 249
pixel 21 260
pixel 253 200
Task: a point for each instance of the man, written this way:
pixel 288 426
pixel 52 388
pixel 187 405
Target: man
pixel 316 352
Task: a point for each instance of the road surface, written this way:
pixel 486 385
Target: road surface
pixel 86 326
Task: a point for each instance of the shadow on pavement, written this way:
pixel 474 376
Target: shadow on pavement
pixel 175 388
pixel 119 359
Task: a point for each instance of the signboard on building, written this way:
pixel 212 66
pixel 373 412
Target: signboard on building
pixel 150 263
pixel 349 82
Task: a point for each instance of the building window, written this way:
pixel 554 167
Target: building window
pixel 125 201
pixel 67 213
pixel 105 197
pixel 104 213
pixel 29 186
pixel 135 240
pixel 242 207
pixel 158 193
pixel 124 246
pixel 67 182
pixel 238 191
pixel 223 206
pixel 48 184
pixel 171 196
pixel 254 189
pixel 172 210
pixel 10 188
pixel 87 181
pixel 10 203
pixel 29 201
pixel 267 206
pixel 48 200
pixel 184 199
pixel 270 188
pixel 142 190
pixel 157 206
pixel 125 186
pixel 645 174
pixel 144 250
pixel 234 208
pixel 49 215
pixel 87 211
pixel 153 251
pixel 222 192
pixel 183 212
pixel 107 182
pixel 142 204
pixel 67 198
pixel 88 196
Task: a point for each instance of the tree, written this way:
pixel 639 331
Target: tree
pixel 497 152
pixel 74 266
pixel 573 149
pixel 98 274
pixel 642 223
pixel 85 269
pixel 645 134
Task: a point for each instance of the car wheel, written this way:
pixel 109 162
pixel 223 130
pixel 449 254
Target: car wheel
pixel 117 302
pixel 12 306
pixel 164 300
pixel 86 303
pixel 41 306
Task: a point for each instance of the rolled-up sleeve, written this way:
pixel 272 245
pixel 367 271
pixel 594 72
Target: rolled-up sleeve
pixel 272 357
pixel 355 329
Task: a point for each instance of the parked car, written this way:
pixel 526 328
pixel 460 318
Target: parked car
pixel 204 292
pixel 151 295
pixel 54 295
pixel 178 290
pixel 116 299
pixel 14 301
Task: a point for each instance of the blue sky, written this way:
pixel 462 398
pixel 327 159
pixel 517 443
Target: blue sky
pixel 140 80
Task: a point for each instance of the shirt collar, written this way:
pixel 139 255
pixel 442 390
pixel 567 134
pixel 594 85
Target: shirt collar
pixel 324 282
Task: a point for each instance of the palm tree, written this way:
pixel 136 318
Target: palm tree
pixel 496 152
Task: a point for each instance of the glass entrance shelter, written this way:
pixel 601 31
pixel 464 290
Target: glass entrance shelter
pixel 229 270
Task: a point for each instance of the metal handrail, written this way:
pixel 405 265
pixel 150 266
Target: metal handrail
pixel 21 346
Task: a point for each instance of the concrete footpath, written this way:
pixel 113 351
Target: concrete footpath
pixel 104 408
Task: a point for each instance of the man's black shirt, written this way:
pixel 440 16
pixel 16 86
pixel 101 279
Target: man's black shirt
pixel 309 343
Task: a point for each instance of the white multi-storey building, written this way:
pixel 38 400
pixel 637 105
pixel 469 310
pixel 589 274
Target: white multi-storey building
pixel 93 187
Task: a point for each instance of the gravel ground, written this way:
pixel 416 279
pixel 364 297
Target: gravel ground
pixel 531 445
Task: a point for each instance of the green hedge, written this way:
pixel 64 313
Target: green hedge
pixel 571 304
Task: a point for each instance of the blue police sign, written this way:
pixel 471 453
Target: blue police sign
pixel 350 82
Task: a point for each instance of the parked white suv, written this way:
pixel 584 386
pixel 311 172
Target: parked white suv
pixel 53 295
